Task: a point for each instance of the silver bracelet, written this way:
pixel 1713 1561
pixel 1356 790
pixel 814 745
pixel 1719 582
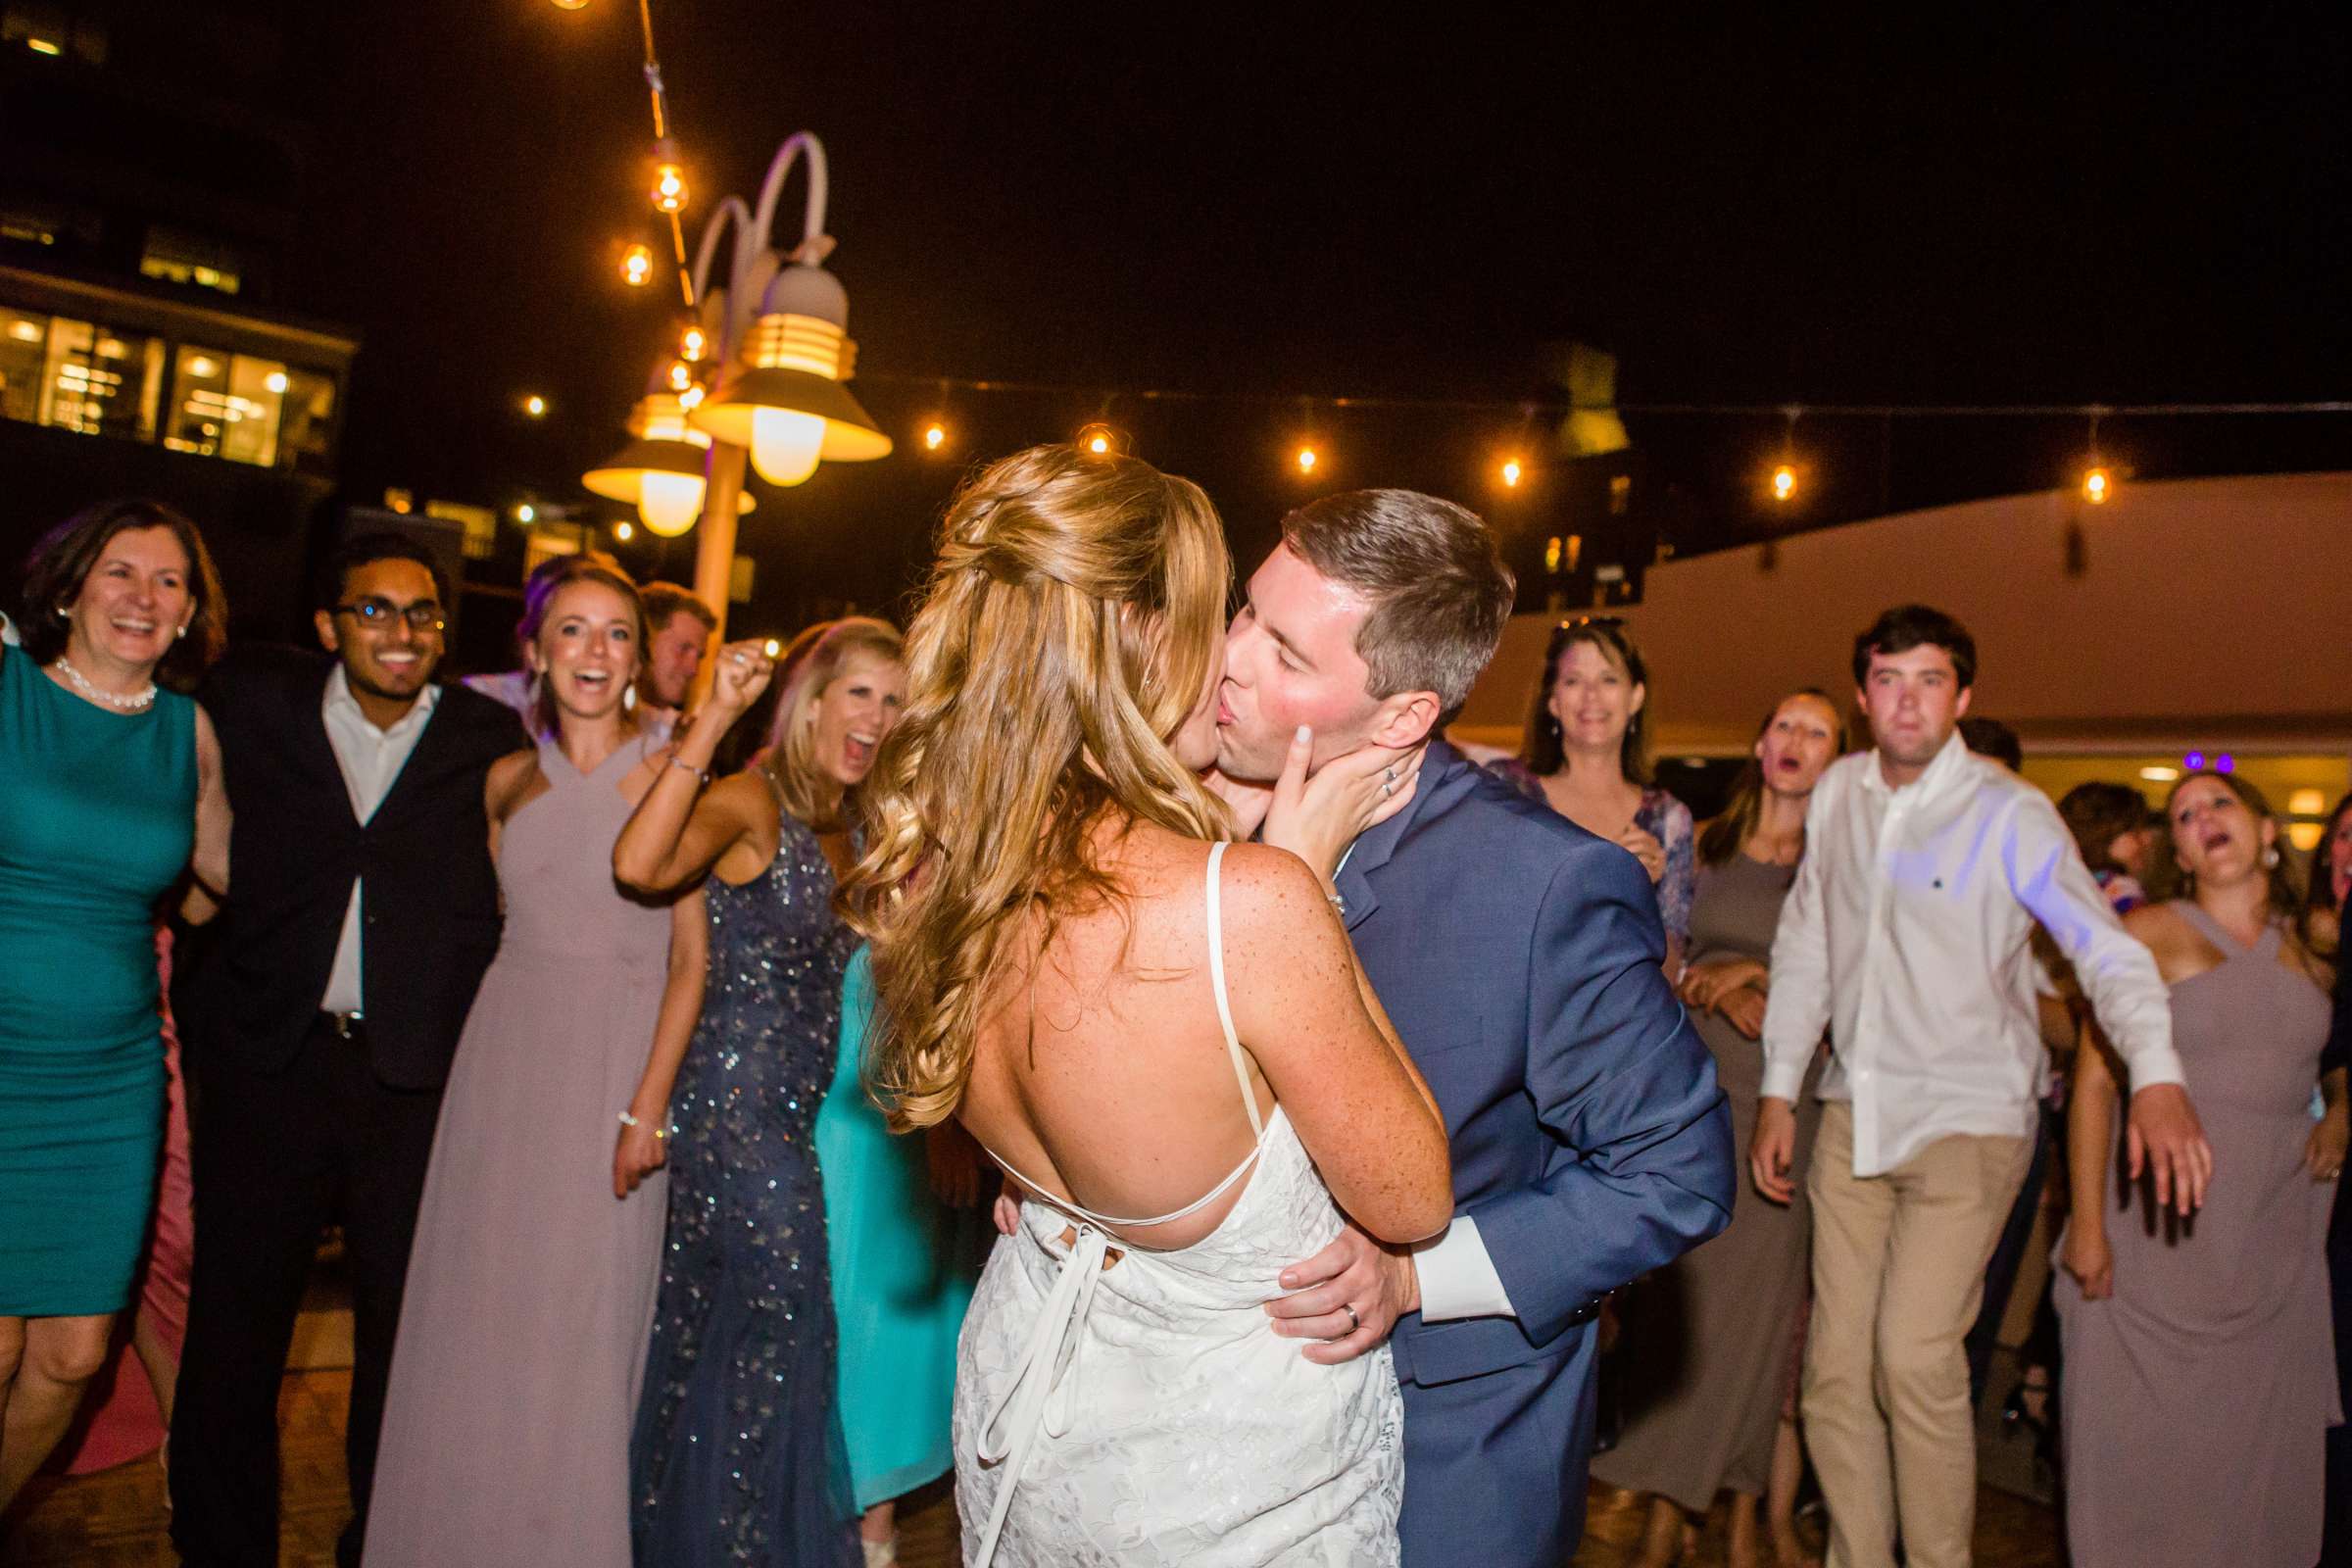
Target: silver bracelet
pixel 627 1120
pixel 684 766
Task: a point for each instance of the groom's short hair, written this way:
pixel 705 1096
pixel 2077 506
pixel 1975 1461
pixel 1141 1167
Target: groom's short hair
pixel 1439 589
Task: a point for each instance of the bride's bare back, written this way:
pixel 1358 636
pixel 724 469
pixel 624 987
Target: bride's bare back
pixel 1101 1071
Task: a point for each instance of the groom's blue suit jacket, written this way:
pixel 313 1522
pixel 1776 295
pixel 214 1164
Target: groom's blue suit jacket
pixel 1519 957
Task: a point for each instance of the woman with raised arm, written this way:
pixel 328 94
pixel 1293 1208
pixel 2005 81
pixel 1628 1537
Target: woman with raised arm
pixel 1710 1342
pixel 1134 1018
pixel 738 1453
pixel 530 1289
pixel 111 792
pixel 2200 1379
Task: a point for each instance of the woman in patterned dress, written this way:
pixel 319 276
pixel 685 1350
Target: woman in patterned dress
pixel 738 1452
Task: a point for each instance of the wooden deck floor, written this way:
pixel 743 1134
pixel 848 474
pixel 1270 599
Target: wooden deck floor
pixel 115 1519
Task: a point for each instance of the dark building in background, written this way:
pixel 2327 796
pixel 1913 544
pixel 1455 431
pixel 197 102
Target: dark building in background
pixel 150 191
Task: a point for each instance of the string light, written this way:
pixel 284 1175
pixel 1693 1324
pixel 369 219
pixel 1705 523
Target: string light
pixel 693 344
pixel 1099 439
pixel 2098 486
pixel 682 375
pixel 1307 460
pixel 935 436
pixel 625 532
pixel 535 406
pixel 637 265
pixel 1511 473
pixel 669 179
pixel 526 513
pixel 1783 482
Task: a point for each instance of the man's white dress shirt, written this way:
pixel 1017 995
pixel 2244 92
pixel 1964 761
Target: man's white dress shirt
pixel 1905 935
pixel 370 758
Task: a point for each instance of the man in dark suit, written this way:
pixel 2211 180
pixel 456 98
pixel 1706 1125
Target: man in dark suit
pixel 1519 957
pixel 362 910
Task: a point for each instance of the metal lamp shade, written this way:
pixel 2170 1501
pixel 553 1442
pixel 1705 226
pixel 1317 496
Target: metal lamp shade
pixel 851 434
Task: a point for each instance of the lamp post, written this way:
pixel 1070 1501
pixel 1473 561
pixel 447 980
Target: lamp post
pixel 780 330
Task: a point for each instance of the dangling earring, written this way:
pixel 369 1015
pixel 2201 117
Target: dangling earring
pixel 2269 858
pixel 180 631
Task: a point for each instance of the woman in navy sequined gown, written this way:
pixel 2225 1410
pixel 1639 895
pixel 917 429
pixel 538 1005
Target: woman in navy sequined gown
pixel 737 1455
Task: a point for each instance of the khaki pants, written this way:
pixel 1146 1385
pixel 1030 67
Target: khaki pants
pixel 1899 1272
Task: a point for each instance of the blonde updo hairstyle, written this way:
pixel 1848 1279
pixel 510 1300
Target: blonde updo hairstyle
pixel 1066 633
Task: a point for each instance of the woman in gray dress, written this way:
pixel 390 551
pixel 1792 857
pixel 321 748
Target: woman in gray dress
pixel 2200 1368
pixel 1709 1340
pixel 530 1293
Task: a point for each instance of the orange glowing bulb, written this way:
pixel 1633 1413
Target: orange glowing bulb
pixel 1783 482
pixel 637 265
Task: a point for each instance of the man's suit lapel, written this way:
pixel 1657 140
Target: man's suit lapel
pixel 312 749
pixel 1357 883
pixel 437 735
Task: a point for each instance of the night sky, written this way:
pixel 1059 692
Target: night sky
pixel 1272 201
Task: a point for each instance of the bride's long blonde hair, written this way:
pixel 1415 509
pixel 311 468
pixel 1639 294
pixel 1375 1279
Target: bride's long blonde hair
pixel 1066 634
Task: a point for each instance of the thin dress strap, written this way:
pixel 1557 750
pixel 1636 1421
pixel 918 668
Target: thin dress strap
pixel 1216 982
pixel 1042 1399
pixel 2213 932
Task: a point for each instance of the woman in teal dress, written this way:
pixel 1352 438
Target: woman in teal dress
pixel 904 1266
pixel 110 783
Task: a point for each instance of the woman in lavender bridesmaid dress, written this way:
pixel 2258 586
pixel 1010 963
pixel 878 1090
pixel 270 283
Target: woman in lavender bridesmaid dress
pixel 530 1292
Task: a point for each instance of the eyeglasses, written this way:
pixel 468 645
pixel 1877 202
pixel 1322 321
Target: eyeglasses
pixel 422 615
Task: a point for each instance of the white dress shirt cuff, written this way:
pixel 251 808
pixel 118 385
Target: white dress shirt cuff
pixel 2155 1064
pixel 1457 1277
pixel 1782 1081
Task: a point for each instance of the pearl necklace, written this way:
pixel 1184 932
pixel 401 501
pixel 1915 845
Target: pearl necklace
pixel 124 704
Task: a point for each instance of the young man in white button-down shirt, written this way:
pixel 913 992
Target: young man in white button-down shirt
pixel 1904 936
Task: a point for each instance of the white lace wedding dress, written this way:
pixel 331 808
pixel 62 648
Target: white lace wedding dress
pixel 1147 1414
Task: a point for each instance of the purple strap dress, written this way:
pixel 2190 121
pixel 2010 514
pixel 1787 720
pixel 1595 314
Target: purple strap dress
pixel 530 1290
pixel 2198 1395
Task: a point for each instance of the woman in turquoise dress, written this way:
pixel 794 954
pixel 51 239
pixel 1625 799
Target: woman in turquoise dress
pixel 904 1266
pixel 109 786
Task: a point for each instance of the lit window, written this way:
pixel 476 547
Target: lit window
pixel 23 343
pixel 229 406
pixel 99 382
pixel 172 257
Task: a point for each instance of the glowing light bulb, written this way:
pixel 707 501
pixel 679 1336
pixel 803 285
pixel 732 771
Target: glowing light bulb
pixel 771 647
pixel 670 502
pixel 276 382
pixel 682 375
pixel 1511 471
pixel 1783 482
pixel 527 513
pixel 2098 486
pixel 785 444
pixel 689 398
pixel 625 532
pixel 1307 460
pixel 935 437
pixel 693 345
pixel 670 187
pixel 1099 445
pixel 535 406
pixel 637 265
pixel 1099 439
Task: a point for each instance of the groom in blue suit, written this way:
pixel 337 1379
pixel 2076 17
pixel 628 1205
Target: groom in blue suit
pixel 1519 957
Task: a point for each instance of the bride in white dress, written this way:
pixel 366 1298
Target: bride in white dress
pixel 1136 1019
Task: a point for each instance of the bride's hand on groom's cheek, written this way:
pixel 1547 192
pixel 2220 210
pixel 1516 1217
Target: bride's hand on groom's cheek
pixel 1352 1272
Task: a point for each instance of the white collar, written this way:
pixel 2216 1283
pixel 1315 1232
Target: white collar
pixel 340 701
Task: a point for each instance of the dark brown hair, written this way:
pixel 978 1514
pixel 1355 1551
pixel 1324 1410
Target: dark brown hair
pixel 61 563
pixel 2099 814
pixel 1544 751
pixel 664 602
pixel 1908 626
pixel 1727 833
pixel 2321 885
pixel 1439 590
